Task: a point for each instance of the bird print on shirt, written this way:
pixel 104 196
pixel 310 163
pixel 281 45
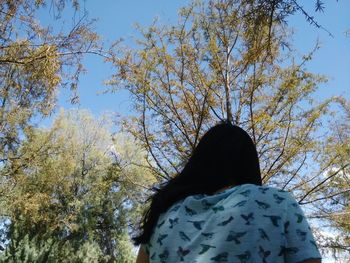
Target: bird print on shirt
pixel 183 236
pixel 245 193
pixel 248 218
pixel 206 205
pixel 263 190
pixel 173 222
pixel 163 257
pixel 207 235
pixel 301 234
pixel 263 234
pixel 194 221
pixel 222 257
pixel 244 257
pixel 262 205
pixel 190 211
pixel 240 204
pixel 160 224
pixel 286 225
pixel 299 217
pixel 235 236
pixel 205 248
pixel 278 199
pixel 295 205
pixel 218 208
pixel 264 254
pixel 274 219
pixel 161 238
pixel 225 222
pixel 197 224
pixel 287 250
pixel 182 253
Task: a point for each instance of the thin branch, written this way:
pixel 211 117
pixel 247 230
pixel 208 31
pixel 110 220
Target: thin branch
pixel 311 19
pixel 322 182
pixel 146 137
pixel 283 149
pixel 251 104
pixel 325 197
pixel 296 172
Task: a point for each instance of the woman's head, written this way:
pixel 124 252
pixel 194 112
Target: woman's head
pixel 225 155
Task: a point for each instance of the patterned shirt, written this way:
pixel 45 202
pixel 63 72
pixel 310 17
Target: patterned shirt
pixel 245 223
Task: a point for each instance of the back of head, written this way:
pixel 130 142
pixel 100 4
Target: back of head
pixel 225 155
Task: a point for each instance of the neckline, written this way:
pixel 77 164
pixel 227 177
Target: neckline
pixel 224 189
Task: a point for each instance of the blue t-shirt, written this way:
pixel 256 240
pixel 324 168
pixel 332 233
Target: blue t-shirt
pixel 246 223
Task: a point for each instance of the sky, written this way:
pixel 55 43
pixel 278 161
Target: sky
pixel 116 19
pixel 333 59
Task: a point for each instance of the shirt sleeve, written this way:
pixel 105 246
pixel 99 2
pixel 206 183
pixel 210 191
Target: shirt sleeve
pixel 300 243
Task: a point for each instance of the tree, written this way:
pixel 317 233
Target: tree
pixel 227 60
pixel 71 197
pixel 336 208
pixel 279 10
pixel 34 62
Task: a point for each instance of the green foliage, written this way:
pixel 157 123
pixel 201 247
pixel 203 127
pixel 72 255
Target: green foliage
pixel 126 250
pixel 74 192
pixel 48 249
pixel 45 188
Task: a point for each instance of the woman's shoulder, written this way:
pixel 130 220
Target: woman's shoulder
pixel 265 188
pixel 261 192
pixel 257 188
pixel 240 192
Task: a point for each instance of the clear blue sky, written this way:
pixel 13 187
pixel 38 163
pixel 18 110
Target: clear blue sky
pixel 117 17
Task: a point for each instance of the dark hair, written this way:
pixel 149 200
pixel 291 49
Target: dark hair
pixel 225 155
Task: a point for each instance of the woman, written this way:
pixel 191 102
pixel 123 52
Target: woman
pixel 216 210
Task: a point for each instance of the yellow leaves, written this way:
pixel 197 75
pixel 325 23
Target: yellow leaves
pixel 143 54
pixel 39 63
pixel 261 117
pixel 32 79
pixel 39 2
pixel 213 47
pixel 43 64
pixel 32 206
pixel 132 160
